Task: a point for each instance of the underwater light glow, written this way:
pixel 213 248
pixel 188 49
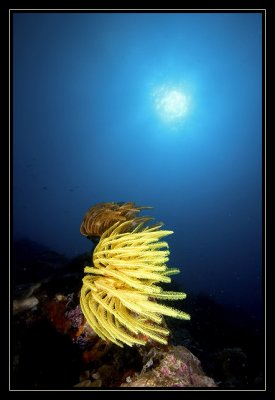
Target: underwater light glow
pixel 171 103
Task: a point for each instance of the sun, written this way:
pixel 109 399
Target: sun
pixel 171 103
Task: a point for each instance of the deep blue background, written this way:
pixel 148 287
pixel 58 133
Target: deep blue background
pixel 86 131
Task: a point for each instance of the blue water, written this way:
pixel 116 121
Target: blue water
pixel 86 130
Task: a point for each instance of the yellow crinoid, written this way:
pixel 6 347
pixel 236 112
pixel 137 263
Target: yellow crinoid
pixel 119 292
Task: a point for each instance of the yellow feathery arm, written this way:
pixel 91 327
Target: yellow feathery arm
pixel 99 326
pixel 132 305
pixel 107 323
pixel 154 336
pixel 161 309
pixel 119 332
pixel 135 283
pixel 127 299
pixel 89 315
pixel 165 295
pixel 88 283
pixel 171 271
pixel 106 326
pixel 143 327
pixel 115 312
pixel 130 325
pixel 143 254
pixel 139 309
pixel 149 328
pixel 129 264
pixel 147 275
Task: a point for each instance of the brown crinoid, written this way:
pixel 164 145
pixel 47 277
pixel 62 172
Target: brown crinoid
pixel 102 216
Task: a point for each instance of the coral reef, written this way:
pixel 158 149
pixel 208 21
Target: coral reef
pixel 177 367
pixel 53 346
